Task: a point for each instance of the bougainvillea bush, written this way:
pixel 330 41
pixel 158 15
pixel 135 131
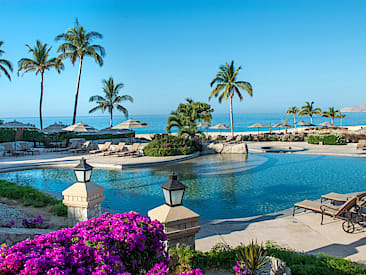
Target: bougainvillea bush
pixel 164 145
pixel 111 244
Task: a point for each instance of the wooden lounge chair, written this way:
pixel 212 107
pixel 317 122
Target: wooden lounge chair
pixel 9 149
pixel 26 149
pixel 214 138
pixel 104 148
pixel 228 139
pixel 133 151
pixel 341 212
pixel 361 144
pixel 118 149
pixel 238 138
pixel 84 148
pixel 74 145
pixel 333 197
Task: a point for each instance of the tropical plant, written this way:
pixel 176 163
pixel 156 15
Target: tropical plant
pixel 331 113
pixel 39 63
pixel 285 123
pixel 254 258
pixel 78 45
pixel 186 116
pixel 341 117
pixel 227 83
pixel 293 111
pixel 111 99
pixel 5 63
pixel 309 110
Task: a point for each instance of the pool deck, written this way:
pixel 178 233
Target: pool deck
pixel 302 233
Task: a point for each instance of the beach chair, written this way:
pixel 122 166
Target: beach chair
pixel 119 149
pixel 74 145
pixel 83 149
pixel 104 148
pixel 133 151
pixel 238 138
pixel 26 149
pixel 9 149
pixel 341 212
pixel 228 139
pixel 214 138
pixel 334 197
pixel 361 144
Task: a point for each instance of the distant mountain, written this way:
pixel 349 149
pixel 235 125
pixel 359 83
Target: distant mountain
pixel 354 109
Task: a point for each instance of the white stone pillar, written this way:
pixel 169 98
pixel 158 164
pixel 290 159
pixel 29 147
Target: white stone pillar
pixel 83 201
pixel 180 224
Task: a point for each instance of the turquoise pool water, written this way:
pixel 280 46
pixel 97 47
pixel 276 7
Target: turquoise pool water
pixel 219 186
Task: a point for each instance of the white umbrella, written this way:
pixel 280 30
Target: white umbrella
pixel 131 124
pixel 258 125
pixel 80 127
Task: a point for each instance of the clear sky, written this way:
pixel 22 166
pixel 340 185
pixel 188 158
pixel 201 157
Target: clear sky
pixel 165 51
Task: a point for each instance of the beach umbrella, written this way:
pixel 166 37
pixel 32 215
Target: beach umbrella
pixel 220 126
pixel 111 131
pixel 326 124
pixel 131 124
pixel 54 128
pixel 303 123
pixel 80 127
pixel 17 125
pixel 201 124
pixel 258 125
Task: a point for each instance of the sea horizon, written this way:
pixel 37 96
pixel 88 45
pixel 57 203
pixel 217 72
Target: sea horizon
pixel 158 122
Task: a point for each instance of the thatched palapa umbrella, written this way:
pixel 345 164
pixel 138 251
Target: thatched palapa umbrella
pixel 326 124
pixel 18 127
pixel 54 128
pixel 258 125
pixel 220 126
pixel 303 123
pixel 80 128
pixel 131 124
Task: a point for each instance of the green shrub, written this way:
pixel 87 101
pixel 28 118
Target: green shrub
pixel 326 139
pixel 165 145
pixel 30 196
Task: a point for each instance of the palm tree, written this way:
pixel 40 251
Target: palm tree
pixel 39 63
pixel 5 63
pixel 341 116
pixel 226 82
pixel 111 99
pixel 78 45
pixel 309 110
pixel 293 111
pixel 331 113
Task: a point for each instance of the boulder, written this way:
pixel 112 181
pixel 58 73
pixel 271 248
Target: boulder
pixel 224 148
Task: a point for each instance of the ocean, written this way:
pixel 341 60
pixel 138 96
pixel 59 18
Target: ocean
pixel 159 122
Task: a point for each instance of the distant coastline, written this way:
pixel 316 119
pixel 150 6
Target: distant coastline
pixel 354 109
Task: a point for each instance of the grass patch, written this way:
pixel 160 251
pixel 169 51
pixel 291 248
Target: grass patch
pixel 30 196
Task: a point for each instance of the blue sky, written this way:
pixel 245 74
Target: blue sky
pixel 165 51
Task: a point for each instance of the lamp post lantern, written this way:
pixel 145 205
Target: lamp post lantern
pixel 180 223
pixel 83 171
pixel 83 198
pixel 173 191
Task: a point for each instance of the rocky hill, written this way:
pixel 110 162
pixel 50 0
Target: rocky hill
pixel 354 109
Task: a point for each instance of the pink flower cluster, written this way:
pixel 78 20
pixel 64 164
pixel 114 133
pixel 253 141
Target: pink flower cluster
pixel 111 244
pixel 34 223
pixel 240 268
pixel 196 271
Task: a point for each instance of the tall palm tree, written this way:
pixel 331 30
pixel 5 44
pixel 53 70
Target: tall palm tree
pixel 40 62
pixel 226 83
pixel 293 111
pixel 111 99
pixel 309 110
pixel 331 113
pixel 341 116
pixel 5 63
pixel 77 45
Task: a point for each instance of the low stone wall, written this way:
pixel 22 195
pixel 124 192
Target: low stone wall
pixel 224 148
pixel 12 236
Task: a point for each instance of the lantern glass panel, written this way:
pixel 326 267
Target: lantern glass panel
pixel 88 175
pixel 166 196
pixel 177 196
pixel 80 176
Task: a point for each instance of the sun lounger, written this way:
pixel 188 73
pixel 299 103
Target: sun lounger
pixel 341 212
pixel 361 144
pixel 84 148
pixel 74 145
pixel 9 149
pixel 133 151
pixel 26 149
pixel 103 149
pixel 334 197
pixel 119 149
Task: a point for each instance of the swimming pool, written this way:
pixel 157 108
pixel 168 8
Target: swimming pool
pixel 219 186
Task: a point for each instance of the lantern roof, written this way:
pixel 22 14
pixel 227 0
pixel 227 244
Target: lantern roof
pixel 82 166
pixel 173 183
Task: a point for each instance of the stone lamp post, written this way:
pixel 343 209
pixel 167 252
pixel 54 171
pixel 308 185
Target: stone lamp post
pixel 83 198
pixel 180 223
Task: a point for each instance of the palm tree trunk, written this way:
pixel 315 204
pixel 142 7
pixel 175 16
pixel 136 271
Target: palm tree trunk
pixel 111 117
pixel 311 119
pixel 331 120
pixel 40 102
pixel 341 122
pixel 231 115
pixel 294 120
pixel 77 91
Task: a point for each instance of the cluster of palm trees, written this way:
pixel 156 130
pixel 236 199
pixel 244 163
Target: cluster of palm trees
pixel 186 116
pixel 309 110
pixel 77 44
